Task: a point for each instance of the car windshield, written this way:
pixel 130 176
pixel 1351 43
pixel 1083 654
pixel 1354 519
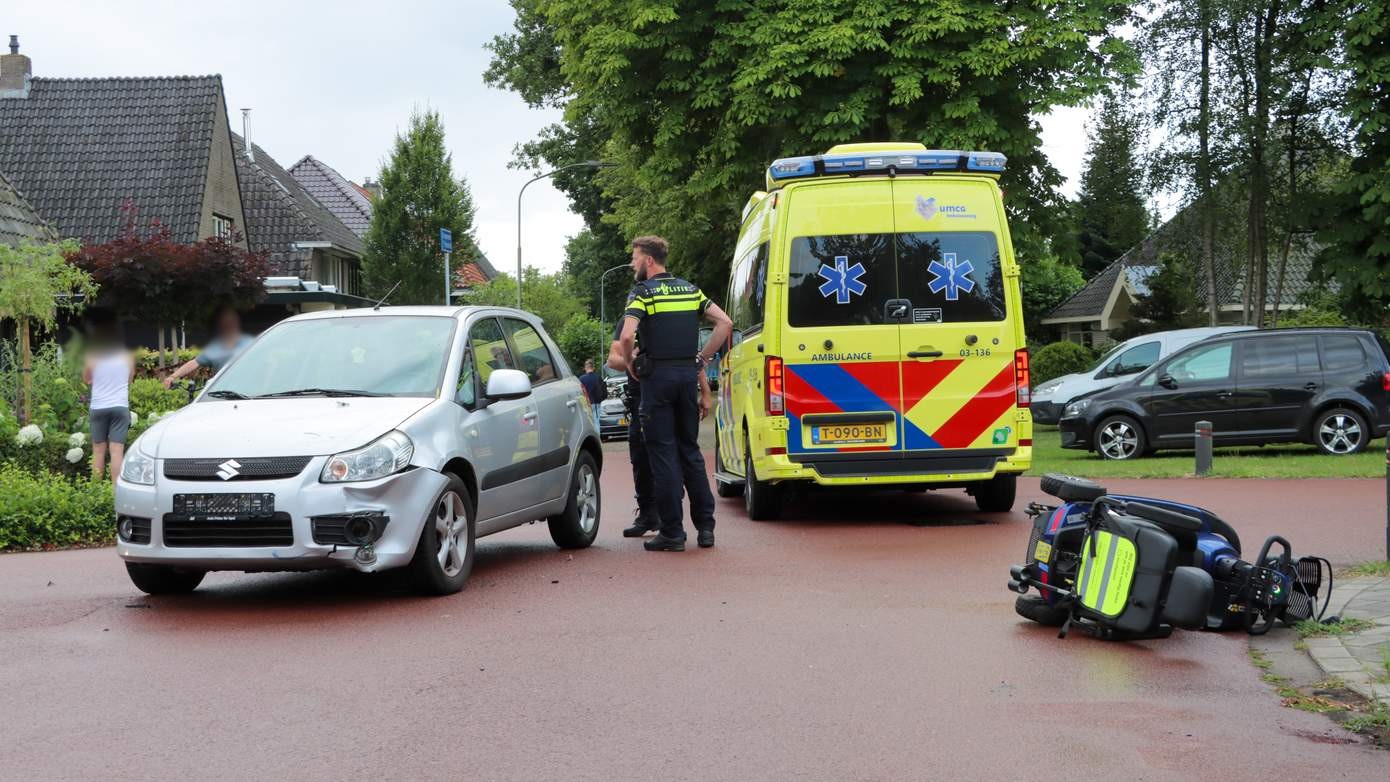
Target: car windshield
pixel 377 355
pixel 1109 354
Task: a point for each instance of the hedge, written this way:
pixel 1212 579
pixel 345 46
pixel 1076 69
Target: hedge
pixel 41 511
pixel 1057 359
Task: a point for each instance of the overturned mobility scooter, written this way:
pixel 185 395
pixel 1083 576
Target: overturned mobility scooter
pixel 1126 568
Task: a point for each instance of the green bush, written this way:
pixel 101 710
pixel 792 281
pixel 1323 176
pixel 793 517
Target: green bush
pixel 48 511
pixel 1057 359
pixel 148 395
pixel 582 338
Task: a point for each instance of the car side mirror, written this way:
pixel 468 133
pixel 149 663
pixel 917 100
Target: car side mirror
pixel 508 384
pixel 1166 380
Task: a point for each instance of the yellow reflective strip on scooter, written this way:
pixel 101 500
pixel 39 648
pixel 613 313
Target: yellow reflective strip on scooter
pixel 1095 566
pixel 1121 577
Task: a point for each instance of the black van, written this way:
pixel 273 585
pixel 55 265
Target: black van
pixel 1325 386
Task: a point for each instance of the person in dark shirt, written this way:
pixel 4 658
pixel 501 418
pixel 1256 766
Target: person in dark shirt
pixel 594 388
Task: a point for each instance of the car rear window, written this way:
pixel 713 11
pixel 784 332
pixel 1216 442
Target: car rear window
pixel 1281 356
pixel 847 279
pixel 1343 352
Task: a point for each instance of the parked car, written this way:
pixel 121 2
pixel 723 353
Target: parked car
pixel 1120 363
pixel 366 439
pixel 612 419
pixel 1328 387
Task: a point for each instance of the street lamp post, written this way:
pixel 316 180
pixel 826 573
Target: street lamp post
pixel 601 278
pixel 586 163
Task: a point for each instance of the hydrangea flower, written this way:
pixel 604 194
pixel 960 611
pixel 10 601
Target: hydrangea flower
pixel 152 417
pixel 29 435
pixel 134 418
pixel 77 440
pixel 74 455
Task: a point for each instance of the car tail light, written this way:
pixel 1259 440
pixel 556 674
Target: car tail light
pixel 1022 380
pixel 773 386
pixel 1385 382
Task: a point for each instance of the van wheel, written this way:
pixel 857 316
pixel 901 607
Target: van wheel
pixel 721 488
pixel 1120 437
pixel 996 495
pixel 1340 431
pixel 162 579
pixel 577 526
pixel 444 554
pixel 761 499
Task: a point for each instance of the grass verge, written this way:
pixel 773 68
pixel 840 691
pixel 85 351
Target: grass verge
pixel 1271 461
pixel 1381 568
pixel 1311 628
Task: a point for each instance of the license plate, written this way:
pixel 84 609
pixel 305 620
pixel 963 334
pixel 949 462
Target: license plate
pixel 1042 552
pixel 849 434
pixel 223 507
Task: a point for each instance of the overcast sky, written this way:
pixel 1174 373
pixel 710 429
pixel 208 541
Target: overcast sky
pixel 337 79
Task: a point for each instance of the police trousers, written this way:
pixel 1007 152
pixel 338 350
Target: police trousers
pixel 670 410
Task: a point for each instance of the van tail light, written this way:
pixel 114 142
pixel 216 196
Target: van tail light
pixel 1385 382
pixel 773 386
pixel 1022 379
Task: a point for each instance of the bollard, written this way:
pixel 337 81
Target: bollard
pixel 1203 448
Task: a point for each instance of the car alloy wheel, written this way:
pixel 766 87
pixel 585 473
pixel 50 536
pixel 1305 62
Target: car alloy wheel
pixel 1118 440
pixel 1340 433
pixel 451 533
pixel 586 498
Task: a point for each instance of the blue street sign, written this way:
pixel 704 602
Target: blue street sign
pixel 446 240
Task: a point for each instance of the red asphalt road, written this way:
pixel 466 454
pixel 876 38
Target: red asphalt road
pixel 842 644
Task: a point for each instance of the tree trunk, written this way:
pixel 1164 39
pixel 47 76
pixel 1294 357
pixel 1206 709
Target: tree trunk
pixel 1279 280
pixel 1204 196
pixel 26 373
pixel 159 360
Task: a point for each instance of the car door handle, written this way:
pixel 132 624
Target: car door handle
pixel 1310 387
pixel 924 354
pixel 530 416
pixel 572 404
pixel 1224 394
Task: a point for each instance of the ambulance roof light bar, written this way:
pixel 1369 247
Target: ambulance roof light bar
pixel 924 161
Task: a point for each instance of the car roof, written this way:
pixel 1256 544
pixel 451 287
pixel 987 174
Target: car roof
pixel 414 310
pixel 1285 330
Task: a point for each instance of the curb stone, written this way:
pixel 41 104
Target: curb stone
pixel 1358 659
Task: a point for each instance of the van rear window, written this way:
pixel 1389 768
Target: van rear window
pixel 848 279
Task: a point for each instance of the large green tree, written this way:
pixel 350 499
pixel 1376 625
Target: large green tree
pixel 420 195
pixel 1357 232
pixel 692 99
pixel 1110 212
pixel 549 296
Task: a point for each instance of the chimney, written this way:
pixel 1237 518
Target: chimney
pixel 246 134
pixel 372 187
pixel 16 71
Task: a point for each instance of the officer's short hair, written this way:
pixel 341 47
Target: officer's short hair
pixel 654 246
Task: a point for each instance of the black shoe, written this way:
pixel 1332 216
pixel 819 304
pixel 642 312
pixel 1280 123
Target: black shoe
pixel 641 525
pixel 663 543
pixel 706 537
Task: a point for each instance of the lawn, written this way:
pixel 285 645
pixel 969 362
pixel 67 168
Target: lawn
pixel 1272 461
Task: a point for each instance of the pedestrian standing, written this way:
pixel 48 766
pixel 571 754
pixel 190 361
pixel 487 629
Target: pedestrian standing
pixel 226 345
pixel 665 315
pixel 108 369
pixel 594 388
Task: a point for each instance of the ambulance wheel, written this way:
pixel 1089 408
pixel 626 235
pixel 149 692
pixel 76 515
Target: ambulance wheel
pixel 721 488
pixel 1035 608
pixel 761 499
pixel 996 495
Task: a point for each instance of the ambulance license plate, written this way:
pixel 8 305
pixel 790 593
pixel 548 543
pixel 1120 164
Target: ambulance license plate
pixel 849 434
pixel 1042 552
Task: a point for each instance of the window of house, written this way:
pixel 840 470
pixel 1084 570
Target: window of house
pixel 222 226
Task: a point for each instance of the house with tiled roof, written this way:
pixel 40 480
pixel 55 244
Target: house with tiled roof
pixel 18 220
pixel 87 153
pixel 303 240
pixel 348 202
pixel 1106 301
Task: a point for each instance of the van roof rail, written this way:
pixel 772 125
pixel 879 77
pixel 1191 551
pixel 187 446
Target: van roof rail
pixel 891 159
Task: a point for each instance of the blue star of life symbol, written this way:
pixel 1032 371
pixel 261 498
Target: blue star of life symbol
pixel 952 276
pixel 842 280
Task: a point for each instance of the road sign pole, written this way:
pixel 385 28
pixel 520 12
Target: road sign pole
pixel 446 246
pixel 448 287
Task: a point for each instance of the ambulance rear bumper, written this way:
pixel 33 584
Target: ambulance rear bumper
pixel 956 467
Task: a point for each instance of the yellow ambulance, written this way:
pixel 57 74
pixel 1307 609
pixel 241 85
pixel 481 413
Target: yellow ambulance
pixel 878 330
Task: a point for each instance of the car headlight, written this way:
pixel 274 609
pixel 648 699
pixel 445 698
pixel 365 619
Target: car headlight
pixel 1046 389
pixel 387 455
pixel 138 467
pixel 1076 408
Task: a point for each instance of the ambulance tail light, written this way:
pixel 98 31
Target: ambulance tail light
pixel 1022 378
pixel 774 386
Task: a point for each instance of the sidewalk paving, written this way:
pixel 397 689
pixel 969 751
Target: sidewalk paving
pixel 1358 658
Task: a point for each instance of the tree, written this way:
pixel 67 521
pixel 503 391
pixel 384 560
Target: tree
pixel 583 338
pixel 1357 231
pixel 587 257
pixel 1046 283
pixel 547 295
pixel 1171 301
pixel 1110 212
pixel 36 282
pixel 419 196
pixel 693 100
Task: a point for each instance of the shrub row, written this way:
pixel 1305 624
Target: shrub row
pixel 39 511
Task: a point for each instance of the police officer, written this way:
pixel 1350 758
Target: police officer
pixel 647 519
pixel 667 311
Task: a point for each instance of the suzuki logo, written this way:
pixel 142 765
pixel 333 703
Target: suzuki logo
pixel 228 470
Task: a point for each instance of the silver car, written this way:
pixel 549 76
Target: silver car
pixel 366 439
